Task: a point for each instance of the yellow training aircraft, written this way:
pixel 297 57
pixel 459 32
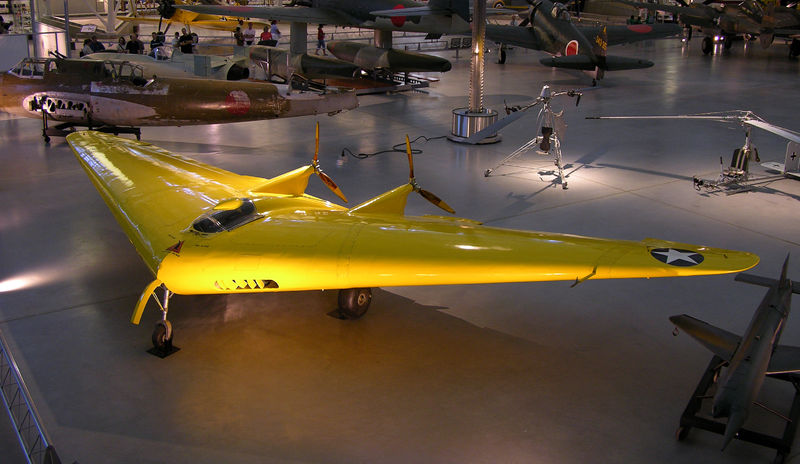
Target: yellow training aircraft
pixel 202 230
pixel 189 18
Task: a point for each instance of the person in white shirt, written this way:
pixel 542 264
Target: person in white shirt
pixel 249 34
pixel 276 33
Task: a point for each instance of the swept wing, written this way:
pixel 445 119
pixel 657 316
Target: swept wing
pixel 177 212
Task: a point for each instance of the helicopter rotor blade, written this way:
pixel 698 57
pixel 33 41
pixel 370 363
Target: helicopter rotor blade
pixel 491 130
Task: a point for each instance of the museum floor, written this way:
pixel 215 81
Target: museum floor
pixel 511 373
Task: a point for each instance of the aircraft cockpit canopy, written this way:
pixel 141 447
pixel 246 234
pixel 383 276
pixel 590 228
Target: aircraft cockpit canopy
pixel 226 216
pixel 32 68
pixel 559 11
pixel 123 70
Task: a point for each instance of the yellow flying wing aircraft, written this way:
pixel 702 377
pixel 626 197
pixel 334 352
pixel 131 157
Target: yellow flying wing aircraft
pixel 203 230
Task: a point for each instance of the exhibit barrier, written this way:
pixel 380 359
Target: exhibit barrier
pixel 31 434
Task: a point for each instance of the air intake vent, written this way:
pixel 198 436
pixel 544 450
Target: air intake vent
pixel 244 284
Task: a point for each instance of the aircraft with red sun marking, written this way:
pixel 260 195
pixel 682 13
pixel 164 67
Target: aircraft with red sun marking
pixel 548 27
pixel 116 96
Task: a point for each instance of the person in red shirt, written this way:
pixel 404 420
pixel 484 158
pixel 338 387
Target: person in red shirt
pixel 266 38
pixel 321 41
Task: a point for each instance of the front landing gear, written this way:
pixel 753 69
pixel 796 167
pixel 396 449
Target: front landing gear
pixel 354 302
pixel 162 333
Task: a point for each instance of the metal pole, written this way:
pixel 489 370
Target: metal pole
pixel 66 29
pixel 477 62
pixel 111 16
pixel 474 118
pixel 36 30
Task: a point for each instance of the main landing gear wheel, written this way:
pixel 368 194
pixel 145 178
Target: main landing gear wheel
pixel 727 42
pixel 681 433
pixel 794 48
pixel 707 46
pixel 162 336
pixel 502 57
pixel 354 302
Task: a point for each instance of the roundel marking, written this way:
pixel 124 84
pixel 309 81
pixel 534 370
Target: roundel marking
pixel 677 257
pixel 398 21
pixel 237 102
pixel 640 28
pixel 572 48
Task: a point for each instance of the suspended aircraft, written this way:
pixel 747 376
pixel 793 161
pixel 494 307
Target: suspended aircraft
pixel 435 17
pixel 203 230
pixel 169 14
pixel 751 357
pixel 736 177
pixel 548 27
pixel 749 18
pixel 117 96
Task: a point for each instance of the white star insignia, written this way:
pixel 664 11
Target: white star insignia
pixel 673 255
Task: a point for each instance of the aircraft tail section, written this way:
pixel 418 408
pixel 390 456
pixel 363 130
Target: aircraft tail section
pixel 782 282
pixel 718 341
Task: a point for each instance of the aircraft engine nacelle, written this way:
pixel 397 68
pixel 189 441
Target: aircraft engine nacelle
pixel 237 72
pixel 371 58
pixel 59 107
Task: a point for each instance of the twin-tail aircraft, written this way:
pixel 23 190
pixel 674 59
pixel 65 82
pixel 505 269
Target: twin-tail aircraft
pixel 115 96
pixel 202 230
pixel 548 27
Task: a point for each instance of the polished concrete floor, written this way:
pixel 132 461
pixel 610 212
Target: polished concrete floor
pixel 533 372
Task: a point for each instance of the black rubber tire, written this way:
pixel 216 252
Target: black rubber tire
pixel 681 433
pixel 707 46
pixel 794 48
pixel 354 302
pixel 727 42
pixel 159 338
pixel 502 57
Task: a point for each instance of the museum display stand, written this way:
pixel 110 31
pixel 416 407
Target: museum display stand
pixel 692 416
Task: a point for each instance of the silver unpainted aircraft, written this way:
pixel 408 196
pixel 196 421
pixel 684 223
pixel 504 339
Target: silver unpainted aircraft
pixel 752 356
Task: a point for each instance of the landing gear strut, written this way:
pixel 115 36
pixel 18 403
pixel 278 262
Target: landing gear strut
pixel 354 302
pixel 162 333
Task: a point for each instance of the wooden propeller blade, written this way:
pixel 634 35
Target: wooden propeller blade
pixel 410 159
pixel 326 179
pixel 436 201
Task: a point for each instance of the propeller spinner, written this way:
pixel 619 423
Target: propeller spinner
pixel 326 179
pixel 425 193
